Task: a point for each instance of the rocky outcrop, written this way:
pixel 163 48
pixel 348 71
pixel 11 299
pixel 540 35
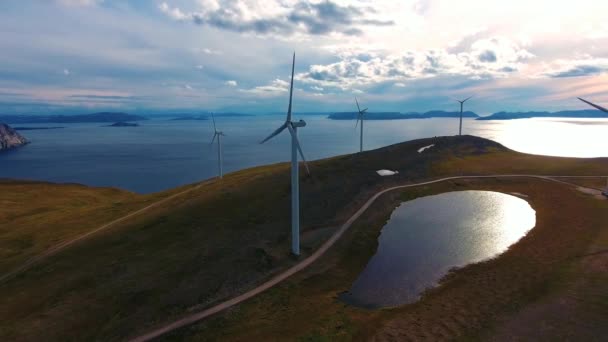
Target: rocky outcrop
pixel 9 138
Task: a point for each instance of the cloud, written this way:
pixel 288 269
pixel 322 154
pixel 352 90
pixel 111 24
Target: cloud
pixel 486 58
pixel 231 83
pixel 200 67
pixel 280 17
pixel 276 87
pixel 66 72
pixel 585 66
pixel 211 52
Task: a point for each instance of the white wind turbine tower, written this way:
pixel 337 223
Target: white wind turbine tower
pixel 461 105
pixel 360 118
pixel 292 126
pixel 219 135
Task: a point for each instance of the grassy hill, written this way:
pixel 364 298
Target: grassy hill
pixel 217 240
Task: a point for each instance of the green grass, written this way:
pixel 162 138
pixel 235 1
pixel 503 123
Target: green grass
pixel 218 240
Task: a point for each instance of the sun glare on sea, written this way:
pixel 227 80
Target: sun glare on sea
pixel 580 138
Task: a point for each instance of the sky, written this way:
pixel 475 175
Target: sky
pixel 218 55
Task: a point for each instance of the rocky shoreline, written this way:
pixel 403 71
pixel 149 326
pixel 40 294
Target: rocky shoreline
pixel 9 138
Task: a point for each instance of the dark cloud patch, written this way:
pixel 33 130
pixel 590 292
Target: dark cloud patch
pixel 579 70
pixel 316 19
pixel 507 69
pixel 487 56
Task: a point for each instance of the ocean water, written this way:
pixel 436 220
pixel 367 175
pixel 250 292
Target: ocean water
pixel 161 154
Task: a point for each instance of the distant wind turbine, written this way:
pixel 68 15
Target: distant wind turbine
pixel 594 105
pixel 360 118
pixel 219 135
pixel 292 126
pixel 461 105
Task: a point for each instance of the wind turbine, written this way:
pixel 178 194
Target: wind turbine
pixel 461 105
pixel 360 118
pixel 219 135
pixel 292 126
pixel 594 105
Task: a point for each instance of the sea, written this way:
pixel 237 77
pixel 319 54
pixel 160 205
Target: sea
pixel 161 153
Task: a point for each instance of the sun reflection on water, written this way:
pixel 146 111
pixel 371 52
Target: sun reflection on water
pixel 583 138
pixel 428 236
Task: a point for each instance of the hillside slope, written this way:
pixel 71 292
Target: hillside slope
pixel 224 237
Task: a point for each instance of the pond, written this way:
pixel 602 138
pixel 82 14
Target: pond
pixel 428 236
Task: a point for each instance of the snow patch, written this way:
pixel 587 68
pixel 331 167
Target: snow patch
pixel 384 173
pixel 420 150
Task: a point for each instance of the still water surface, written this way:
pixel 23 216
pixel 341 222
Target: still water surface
pixel 428 236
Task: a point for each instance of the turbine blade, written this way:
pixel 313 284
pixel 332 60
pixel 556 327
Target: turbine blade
pixel 293 63
pixel 213 118
pixel 594 105
pixel 212 140
pixel 465 100
pixel 357 123
pixel 298 146
pixel 277 131
pixel 363 111
pixel 359 109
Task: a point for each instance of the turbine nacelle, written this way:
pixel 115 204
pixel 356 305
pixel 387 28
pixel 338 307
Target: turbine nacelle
pixel 465 100
pixel 296 124
pixel 292 126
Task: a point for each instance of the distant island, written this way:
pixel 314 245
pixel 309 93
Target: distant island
pixel 94 117
pixel 401 116
pixel 190 117
pixel 35 128
pixel 9 138
pixel 587 113
pixel 231 114
pixel 123 124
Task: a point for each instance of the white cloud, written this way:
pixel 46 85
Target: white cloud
pixel 211 52
pixel 174 13
pixel 200 67
pixel 187 86
pixel 66 72
pixel 231 83
pixel 486 58
pixel 276 87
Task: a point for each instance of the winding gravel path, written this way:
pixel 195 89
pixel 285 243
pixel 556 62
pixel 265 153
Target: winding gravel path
pixel 192 318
